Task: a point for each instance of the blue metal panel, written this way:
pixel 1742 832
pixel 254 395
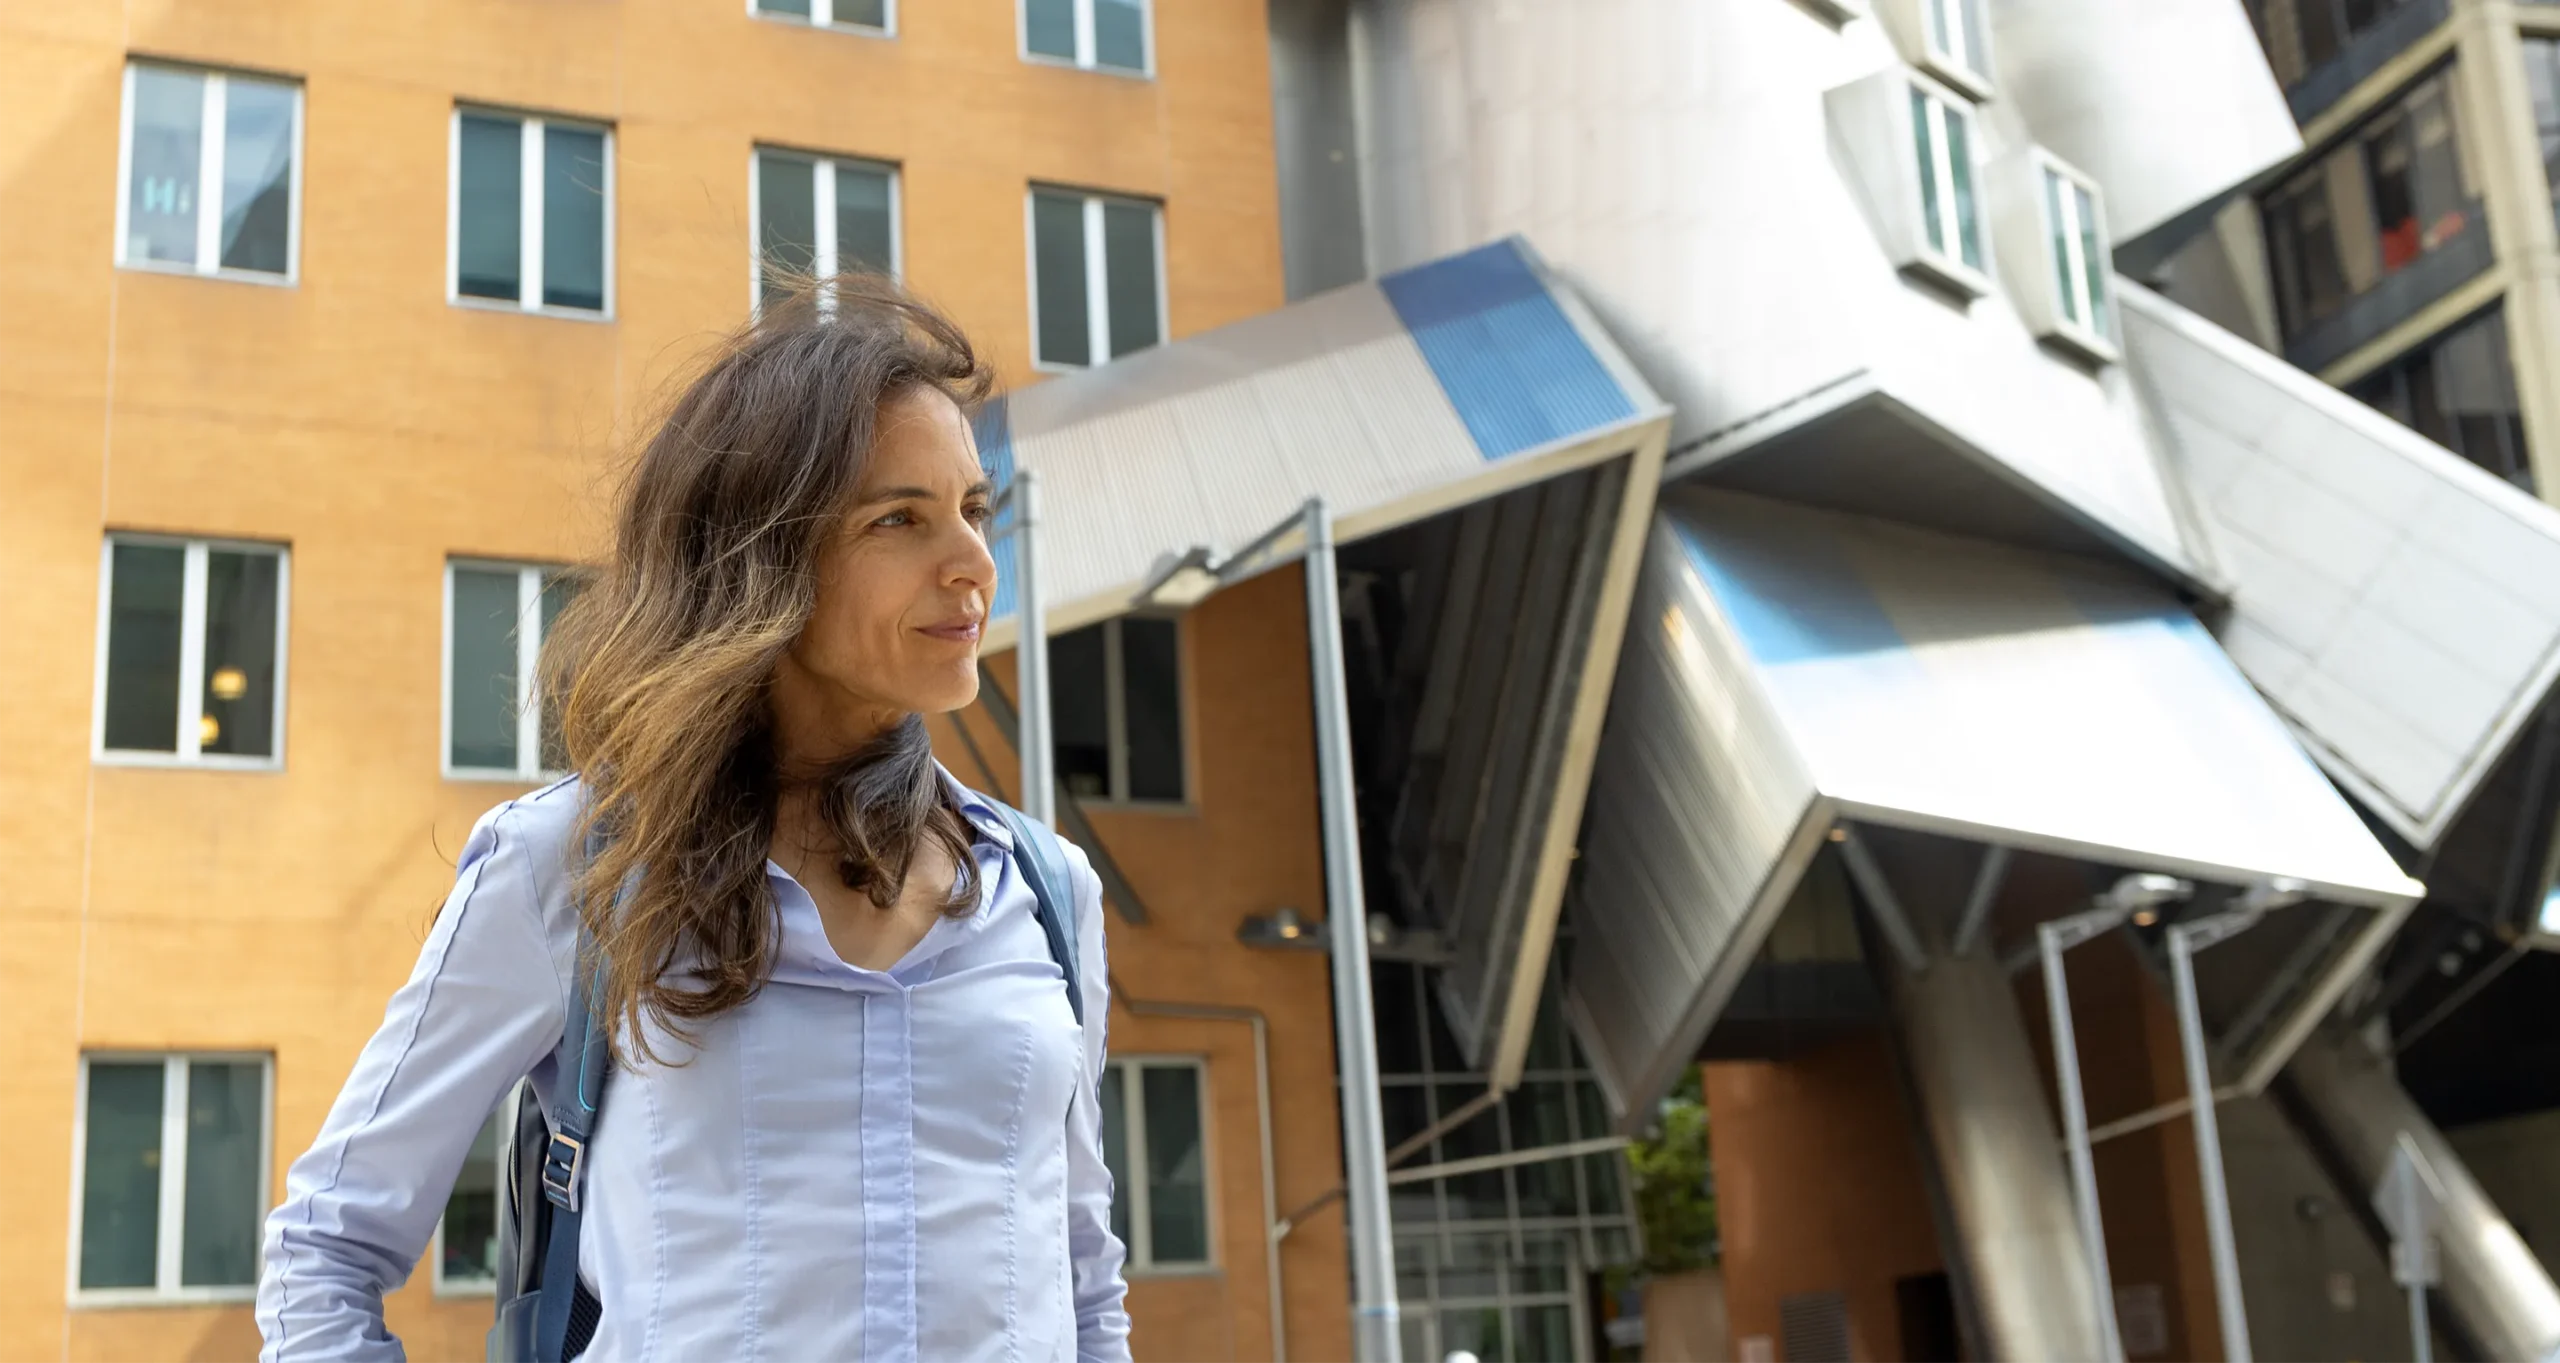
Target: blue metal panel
pixel 993 426
pixel 1511 362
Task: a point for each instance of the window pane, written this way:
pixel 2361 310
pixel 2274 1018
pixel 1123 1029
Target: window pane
pixel 147 591
pixel 1115 1149
pixel 226 1187
pixel 558 590
pixel 1120 34
pixel 798 7
pixel 1397 1000
pixel 1151 668
pixel 1057 269
pixel 1546 1335
pixel 865 231
pixel 470 1253
pixel 1539 1117
pixel 2542 78
pixel 239 653
pixel 1480 1195
pixel 573 218
pixel 1078 711
pixel 168 147
pixel 120 1177
pixel 1924 138
pixel 786 219
pixel 865 13
pixel 484 669
pixel 1960 164
pixel 257 175
pixel 1177 1183
pixel 1942 34
pixel 2093 256
pixel 1049 27
pixel 1129 272
pixel 2058 233
pixel 489 220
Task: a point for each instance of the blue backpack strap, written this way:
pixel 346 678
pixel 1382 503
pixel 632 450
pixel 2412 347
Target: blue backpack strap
pixel 583 1066
pixel 1044 868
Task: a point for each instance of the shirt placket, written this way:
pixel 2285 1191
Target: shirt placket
pixel 889 1174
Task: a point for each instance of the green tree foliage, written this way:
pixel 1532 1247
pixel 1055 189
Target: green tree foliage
pixel 1675 1190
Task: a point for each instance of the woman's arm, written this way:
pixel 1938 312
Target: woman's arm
pixel 1102 1322
pixel 481 1009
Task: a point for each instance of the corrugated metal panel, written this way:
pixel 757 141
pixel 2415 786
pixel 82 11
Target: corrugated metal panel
pixel 1696 797
pixel 2400 607
pixel 1516 369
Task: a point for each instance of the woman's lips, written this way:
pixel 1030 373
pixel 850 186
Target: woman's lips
pixel 957 631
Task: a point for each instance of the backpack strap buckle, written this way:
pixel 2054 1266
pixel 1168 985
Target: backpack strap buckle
pixel 562 1161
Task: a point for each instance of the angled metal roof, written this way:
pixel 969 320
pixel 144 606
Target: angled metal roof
pixel 2398 605
pixel 1395 398
pixel 1787 668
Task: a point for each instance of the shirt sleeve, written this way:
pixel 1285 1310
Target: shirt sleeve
pixel 482 1008
pixel 1102 1318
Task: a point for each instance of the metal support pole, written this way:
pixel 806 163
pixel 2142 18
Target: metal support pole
pixel 2185 940
pixel 1376 1337
pixel 2421 1339
pixel 1031 656
pixel 2052 939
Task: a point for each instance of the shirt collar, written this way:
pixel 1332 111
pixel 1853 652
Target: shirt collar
pixel 977 809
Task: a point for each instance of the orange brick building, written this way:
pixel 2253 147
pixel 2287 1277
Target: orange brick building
pixel 315 322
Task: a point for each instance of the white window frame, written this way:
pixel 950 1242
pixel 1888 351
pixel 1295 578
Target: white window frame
pixel 1946 261
pixel 1115 699
pixel 1141 1246
pixel 173 1177
pixel 529 210
pixel 1969 22
pixel 190 752
pixel 2093 342
pixel 1085 58
pixel 209 190
pixel 530 578
pixel 822 14
pixel 441 1286
pixel 824 189
pixel 1097 275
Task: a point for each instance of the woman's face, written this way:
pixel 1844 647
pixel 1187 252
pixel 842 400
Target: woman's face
pixel 903 589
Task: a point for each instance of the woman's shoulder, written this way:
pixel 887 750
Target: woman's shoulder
pixel 527 840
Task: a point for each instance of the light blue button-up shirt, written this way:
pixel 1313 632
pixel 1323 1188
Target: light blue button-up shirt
pixel 879 1165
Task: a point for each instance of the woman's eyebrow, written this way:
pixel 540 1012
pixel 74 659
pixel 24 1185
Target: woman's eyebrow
pixel 980 488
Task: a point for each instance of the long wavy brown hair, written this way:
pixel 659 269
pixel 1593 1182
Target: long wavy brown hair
pixel 661 670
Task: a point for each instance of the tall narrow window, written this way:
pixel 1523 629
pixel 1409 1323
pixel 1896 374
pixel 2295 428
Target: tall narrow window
pixel 212 172
pixel 173 1174
pixel 1956 37
pixel 2077 258
pixel 871 16
pixel 1115 698
pixel 1096 271
pixel 2542 79
pixel 496 617
pixel 1950 214
pixel 1110 35
pixel 191 656
pixel 821 215
pixel 531 220
pixel 1154 1141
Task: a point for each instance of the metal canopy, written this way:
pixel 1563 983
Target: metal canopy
pixel 1788 668
pixel 1392 399
pixel 1444 386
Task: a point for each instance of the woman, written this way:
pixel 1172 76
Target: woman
pixel 855 1115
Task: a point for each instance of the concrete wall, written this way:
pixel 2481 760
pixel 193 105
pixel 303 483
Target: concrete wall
pixel 376 429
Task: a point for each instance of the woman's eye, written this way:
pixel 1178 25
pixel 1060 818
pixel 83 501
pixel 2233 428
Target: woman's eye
pixel 980 513
pixel 895 519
